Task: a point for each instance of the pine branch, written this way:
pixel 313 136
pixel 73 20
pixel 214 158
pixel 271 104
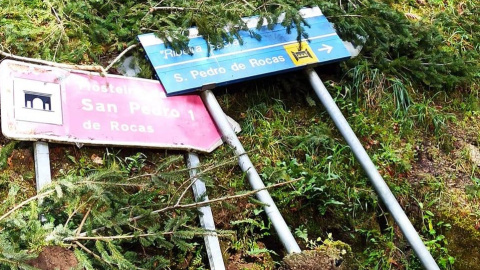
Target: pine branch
pixel 15 264
pixel 152 9
pixel 208 168
pixel 195 205
pixel 195 179
pixel 75 211
pixel 94 68
pixel 130 236
pixel 120 56
pixel 79 229
pixel 90 252
pixel 199 174
pixel 62 26
pixel 22 204
pixel 139 185
pixel 108 238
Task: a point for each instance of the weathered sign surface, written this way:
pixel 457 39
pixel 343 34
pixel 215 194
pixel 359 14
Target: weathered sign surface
pixel 45 103
pixel 277 51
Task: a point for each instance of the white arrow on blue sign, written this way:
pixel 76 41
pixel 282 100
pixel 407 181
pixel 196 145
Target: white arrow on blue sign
pixel 276 51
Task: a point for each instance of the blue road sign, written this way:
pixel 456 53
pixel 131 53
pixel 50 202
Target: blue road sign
pixel 277 51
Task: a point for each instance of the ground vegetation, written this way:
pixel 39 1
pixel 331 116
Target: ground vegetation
pixel 411 96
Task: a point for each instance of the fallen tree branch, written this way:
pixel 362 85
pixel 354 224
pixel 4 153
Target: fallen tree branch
pixel 230 197
pixel 152 9
pixel 22 204
pixel 79 229
pixel 130 236
pixel 91 252
pixel 120 56
pixel 107 238
pixel 193 205
pixel 199 175
pixel 94 68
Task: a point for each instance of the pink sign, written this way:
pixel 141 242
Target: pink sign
pixel 45 103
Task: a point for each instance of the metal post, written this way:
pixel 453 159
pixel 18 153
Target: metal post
pixel 246 165
pixel 42 169
pixel 376 179
pixel 42 164
pixel 206 217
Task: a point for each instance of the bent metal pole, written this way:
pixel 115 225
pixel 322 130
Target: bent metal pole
pixel 246 165
pixel 377 181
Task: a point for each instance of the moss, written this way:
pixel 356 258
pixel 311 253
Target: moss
pixel 330 255
pixel 463 241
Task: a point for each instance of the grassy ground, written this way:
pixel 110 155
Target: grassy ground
pixel 291 136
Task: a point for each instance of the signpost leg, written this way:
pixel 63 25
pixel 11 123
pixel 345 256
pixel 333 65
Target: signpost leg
pixel 206 217
pixel 42 164
pixel 246 165
pixel 42 168
pixel 376 179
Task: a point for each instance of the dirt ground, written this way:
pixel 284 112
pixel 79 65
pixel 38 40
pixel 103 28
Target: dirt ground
pixel 55 258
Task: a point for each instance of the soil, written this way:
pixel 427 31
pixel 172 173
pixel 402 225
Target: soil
pixel 55 258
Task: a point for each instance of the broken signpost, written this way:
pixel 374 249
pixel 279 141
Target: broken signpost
pixel 205 66
pixel 202 67
pixel 45 103
pixel 57 105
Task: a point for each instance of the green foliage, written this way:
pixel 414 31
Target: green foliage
pixel 250 231
pixel 389 93
pixel 83 260
pixel 473 189
pixel 323 244
pixel 381 251
pixel 5 153
pixel 430 116
pixel 89 31
pixel 437 242
pixel 82 166
pixel 401 49
pixel 107 214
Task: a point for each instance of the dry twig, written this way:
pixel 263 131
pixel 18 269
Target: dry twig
pixel 120 56
pixel 152 9
pixel 79 229
pixel 27 201
pixel 90 252
pixel 94 68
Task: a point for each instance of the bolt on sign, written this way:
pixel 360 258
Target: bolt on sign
pixel 200 67
pixel 46 103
